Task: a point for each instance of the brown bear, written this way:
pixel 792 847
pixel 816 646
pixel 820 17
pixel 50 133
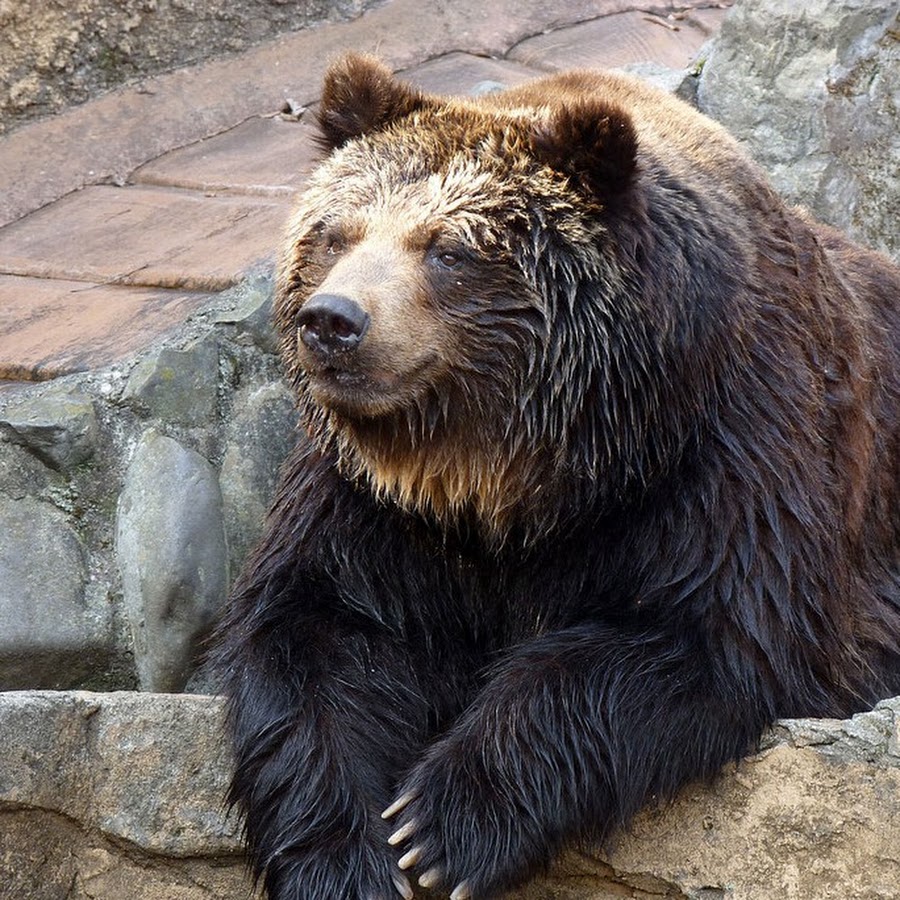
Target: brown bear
pixel 600 475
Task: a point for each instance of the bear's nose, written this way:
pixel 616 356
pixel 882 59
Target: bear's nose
pixel 331 323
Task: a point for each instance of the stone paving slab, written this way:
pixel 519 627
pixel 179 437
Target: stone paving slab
pixel 463 73
pixel 272 155
pixel 624 38
pixel 144 236
pixel 50 328
pixel 266 155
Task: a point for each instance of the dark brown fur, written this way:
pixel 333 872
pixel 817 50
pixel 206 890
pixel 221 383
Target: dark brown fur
pixel 609 480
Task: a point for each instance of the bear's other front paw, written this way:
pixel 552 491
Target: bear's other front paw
pixel 462 829
pixel 410 834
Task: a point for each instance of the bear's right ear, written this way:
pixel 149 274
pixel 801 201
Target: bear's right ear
pixel 361 95
pixel 592 141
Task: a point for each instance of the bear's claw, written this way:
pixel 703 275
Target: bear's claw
pixel 402 833
pixel 431 878
pixel 411 857
pixel 404 888
pixel 402 801
pixel 461 892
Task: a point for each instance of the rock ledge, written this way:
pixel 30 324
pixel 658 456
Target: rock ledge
pixel 114 796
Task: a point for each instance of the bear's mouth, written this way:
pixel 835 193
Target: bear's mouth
pixel 336 387
pixel 357 393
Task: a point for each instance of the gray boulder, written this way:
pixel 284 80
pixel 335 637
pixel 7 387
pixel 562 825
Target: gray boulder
pixel 178 386
pixel 49 635
pixel 59 426
pixel 115 796
pixel 813 90
pixel 173 558
pixel 260 433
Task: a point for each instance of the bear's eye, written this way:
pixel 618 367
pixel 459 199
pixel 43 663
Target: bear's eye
pixel 334 245
pixel 449 259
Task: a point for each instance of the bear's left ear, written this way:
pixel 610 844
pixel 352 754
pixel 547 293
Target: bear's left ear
pixel 361 95
pixel 593 141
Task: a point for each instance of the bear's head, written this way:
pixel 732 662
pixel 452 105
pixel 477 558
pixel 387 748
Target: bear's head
pixel 461 300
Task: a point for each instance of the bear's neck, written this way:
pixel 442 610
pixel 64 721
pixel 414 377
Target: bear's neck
pixel 481 485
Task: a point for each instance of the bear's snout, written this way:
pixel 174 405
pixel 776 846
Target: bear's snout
pixel 332 323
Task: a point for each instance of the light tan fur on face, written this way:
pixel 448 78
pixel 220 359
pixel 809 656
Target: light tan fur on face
pixel 442 472
pixel 385 279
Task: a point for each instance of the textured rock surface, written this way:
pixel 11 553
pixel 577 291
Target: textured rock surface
pixel 257 443
pixel 815 815
pixel 177 385
pixel 170 544
pixel 49 636
pixel 57 53
pixel 114 796
pixel 160 438
pixel 814 92
pixel 60 427
pixel 110 796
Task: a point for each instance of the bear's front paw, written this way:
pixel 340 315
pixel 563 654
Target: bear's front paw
pixel 412 835
pixel 462 828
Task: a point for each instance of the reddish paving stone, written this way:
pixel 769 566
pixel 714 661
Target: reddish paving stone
pixel 112 135
pixel 462 73
pixel 268 156
pixel 50 328
pixel 144 236
pixel 492 29
pixel 618 40
pixel 273 156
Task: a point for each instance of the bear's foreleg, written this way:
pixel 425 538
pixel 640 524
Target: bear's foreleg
pixel 325 716
pixel 574 733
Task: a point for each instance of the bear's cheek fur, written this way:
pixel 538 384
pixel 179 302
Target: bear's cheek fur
pixel 406 346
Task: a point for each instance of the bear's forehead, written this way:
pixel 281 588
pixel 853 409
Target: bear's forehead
pixel 436 169
pixel 460 201
pixel 427 164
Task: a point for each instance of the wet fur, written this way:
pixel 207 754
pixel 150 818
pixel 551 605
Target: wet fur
pixel 643 501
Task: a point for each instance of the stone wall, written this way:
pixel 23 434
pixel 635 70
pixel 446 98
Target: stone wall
pixel 115 796
pixel 120 795
pixel 56 54
pixel 130 495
